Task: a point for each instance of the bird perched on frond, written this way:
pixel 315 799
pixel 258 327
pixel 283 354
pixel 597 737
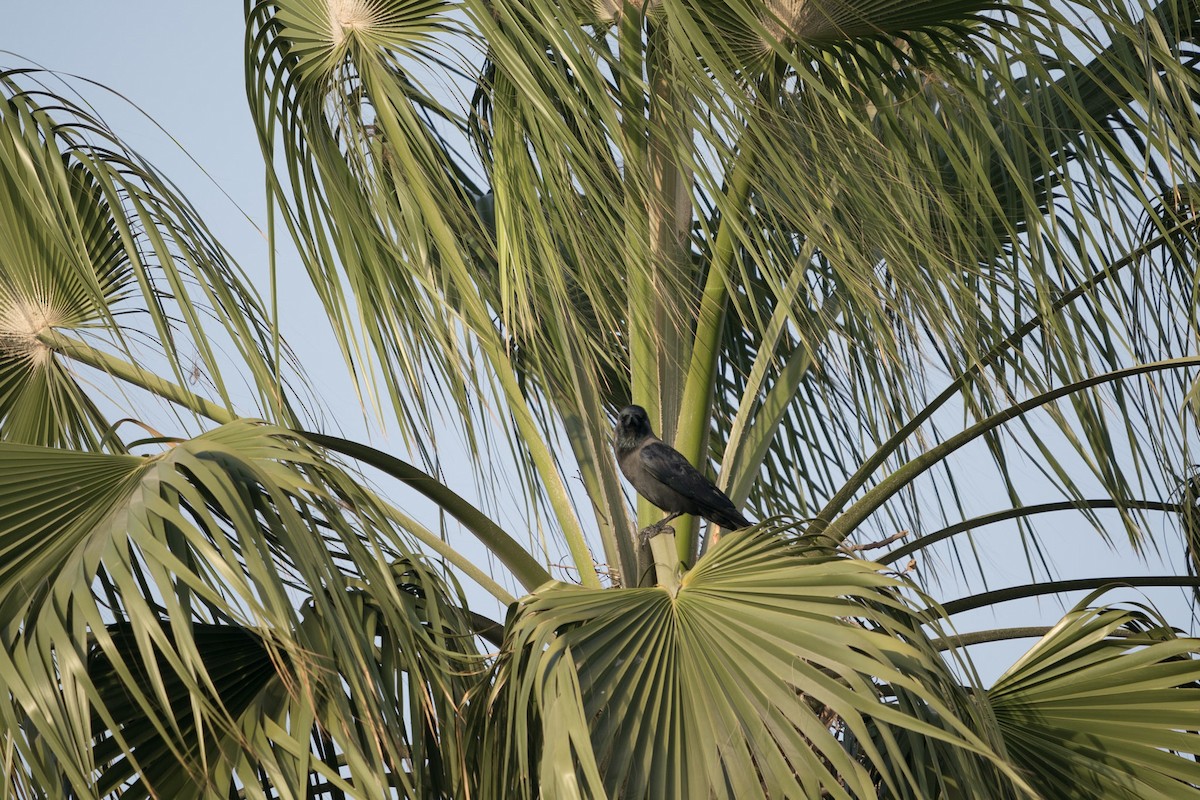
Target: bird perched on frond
pixel 663 476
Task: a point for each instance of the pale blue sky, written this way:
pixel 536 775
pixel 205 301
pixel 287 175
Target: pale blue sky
pixel 182 63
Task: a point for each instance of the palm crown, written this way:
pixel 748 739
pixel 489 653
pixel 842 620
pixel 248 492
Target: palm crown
pixel 839 251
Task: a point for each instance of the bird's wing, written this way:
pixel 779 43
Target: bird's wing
pixel 668 466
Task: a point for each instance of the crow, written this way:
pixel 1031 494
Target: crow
pixel 663 476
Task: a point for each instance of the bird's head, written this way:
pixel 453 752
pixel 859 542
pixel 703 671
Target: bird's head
pixel 633 425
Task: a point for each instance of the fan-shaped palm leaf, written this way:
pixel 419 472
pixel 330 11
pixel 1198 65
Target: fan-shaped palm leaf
pixel 231 528
pixel 91 235
pixel 748 679
pixel 1104 705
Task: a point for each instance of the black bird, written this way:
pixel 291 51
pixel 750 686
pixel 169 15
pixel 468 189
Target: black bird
pixel 663 476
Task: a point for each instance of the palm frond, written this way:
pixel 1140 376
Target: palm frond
pixel 97 243
pixel 201 556
pixel 755 675
pixel 373 190
pixel 1104 705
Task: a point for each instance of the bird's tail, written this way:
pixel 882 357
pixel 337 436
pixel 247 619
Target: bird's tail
pixel 730 519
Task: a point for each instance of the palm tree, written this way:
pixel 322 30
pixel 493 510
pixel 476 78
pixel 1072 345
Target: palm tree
pixel 857 259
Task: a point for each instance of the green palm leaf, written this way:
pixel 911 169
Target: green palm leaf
pixel 232 528
pixel 64 265
pixel 136 755
pixel 955 232
pixel 1104 705
pixel 329 82
pixel 853 18
pixel 747 680
pixel 93 237
pixel 379 203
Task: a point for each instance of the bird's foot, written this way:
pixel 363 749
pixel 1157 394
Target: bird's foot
pixel 650 531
